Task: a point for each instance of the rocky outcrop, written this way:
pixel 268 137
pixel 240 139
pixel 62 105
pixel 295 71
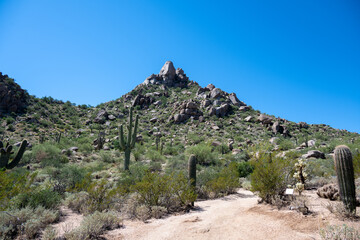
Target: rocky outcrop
pixel 221 111
pixel 303 125
pixel 101 117
pixel 277 128
pixel 168 76
pixel 314 154
pixel 142 101
pixel 12 97
pixel 264 119
pixel 187 110
pixel 216 93
pixel 235 101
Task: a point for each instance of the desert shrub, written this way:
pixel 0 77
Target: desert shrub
pixel 356 163
pixel 241 157
pixel 100 196
pixel 285 144
pixel 154 156
pixel 85 145
pixel 269 176
pixel 226 182
pixel 49 233
pixel 222 149
pixel 171 150
pixel 176 163
pixel 143 213
pixel 128 178
pixel 48 154
pixel 245 169
pixel 138 152
pixel 204 176
pixel 106 157
pixel 334 232
pixel 94 225
pixel 204 155
pixel 45 198
pixel 77 201
pixel 195 138
pixel 28 221
pixel 169 191
pixel 340 211
pixel 158 212
pixel 320 168
pixel 11 185
pixel 67 177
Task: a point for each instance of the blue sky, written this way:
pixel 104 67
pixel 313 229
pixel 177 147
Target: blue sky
pixel 299 60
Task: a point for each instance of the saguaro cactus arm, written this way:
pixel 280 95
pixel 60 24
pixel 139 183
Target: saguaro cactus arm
pixel 7 152
pixel 122 141
pixel 135 132
pixel 19 155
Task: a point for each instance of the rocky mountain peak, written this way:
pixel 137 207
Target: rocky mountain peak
pixel 168 76
pixel 12 97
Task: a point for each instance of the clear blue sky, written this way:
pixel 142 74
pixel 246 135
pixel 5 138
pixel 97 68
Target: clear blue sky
pixel 299 60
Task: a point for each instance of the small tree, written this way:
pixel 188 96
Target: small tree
pixel 269 176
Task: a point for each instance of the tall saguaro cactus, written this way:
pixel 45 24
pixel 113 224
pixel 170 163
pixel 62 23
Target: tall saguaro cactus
pixel 192 172
pixel 345 175
pixel 6 153
pixel 128 144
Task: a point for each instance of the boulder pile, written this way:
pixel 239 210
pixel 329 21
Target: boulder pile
pixel 168 76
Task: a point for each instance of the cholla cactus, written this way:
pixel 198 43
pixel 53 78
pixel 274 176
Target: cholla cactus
pixel 300 175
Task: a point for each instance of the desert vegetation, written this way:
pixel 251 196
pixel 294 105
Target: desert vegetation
pixel 185 144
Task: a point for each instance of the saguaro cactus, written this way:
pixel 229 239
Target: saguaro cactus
pixel 192 172
pixel 6 153
pixel 345 175
pixel 128 145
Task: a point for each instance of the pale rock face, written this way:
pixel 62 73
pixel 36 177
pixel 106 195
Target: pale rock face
pixel 216 92
pixel 168 70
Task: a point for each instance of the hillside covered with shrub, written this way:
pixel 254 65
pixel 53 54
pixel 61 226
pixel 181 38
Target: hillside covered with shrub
pixel 102 163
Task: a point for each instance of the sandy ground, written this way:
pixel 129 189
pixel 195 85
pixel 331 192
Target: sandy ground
pixel 237 216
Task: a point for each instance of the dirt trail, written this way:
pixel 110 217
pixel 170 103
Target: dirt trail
pixel 237 216
pixel 68 221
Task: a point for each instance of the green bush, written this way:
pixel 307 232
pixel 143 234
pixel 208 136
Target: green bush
pixel 77 202
pixel 245 169
pixel 320 168
pixel 94 225
pixel 38 198
pixel 154 156
pixel 106 157
pixel 226 182
pixel 129 178
pixel 203 153
pixel 48 154
pixel 27 220
pixel 356 163
pixel 285 144
pixel 269 177
pixel 100 196
pixel 11 185
pixel 176 163
pixel 170 191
